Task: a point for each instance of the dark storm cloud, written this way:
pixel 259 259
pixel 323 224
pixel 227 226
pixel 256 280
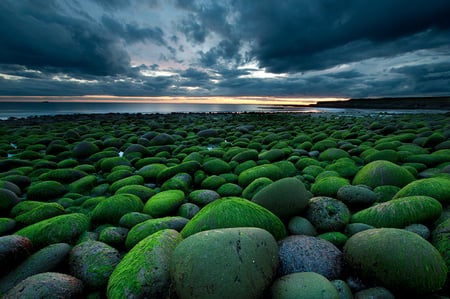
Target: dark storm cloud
pixel 295 36
pixel 47 38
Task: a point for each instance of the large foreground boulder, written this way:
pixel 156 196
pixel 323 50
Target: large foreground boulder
pixel 232 263
pixel 144 271
pixel 396 259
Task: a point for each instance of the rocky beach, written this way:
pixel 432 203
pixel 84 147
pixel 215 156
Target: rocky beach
pixel 220 205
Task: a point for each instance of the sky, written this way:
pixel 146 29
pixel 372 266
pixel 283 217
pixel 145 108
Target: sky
pixel 202 48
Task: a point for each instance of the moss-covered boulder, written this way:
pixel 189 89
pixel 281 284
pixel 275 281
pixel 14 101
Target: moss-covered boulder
pixel 114 236
pixel 42 212
pixel 44 260
pixel 93 262
pixel 202 197
pixel 62 175
pixel 397 259
pixel 144 270
pixel 379 173
pixel 131 180
pixel 188 210
pixel 332 154
pixel 327 214
pixel 229 189
pixel 48 285
pixel 111 209
pixel 130 219
pixel 437 187
pixel 13 250
pixel 59 229
pixel 190 167
pixel 143 192
pixel 272 155
pixel 400 212
pixel 234 212
pixel 216 166
pixel 356 196
pixel 150 172
pixel 46 191
pixel 301 226
pixel 328 186
pixel 107 164
pixel 266 170
pixel 301 253
pixel 255 186
pixel 148 227
pixel 162 139
pixel 303 285
pixel 84 149
pixel 440 238
pixel 164 203
pixel 285 198
pixel 231 262
pixel 83 185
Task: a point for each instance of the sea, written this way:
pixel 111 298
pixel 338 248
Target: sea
pixel 30 109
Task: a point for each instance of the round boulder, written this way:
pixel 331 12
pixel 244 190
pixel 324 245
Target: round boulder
pixel 285 198
pixel 327 214
pixel 301 253
pixel 396 259
pixel 239 262
pixel 303 285
pixel 381 172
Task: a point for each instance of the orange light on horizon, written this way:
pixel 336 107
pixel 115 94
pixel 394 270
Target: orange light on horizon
pixel 241 100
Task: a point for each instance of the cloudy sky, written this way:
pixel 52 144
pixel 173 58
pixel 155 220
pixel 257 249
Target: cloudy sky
pixel 281 48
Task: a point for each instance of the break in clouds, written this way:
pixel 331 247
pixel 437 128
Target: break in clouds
pixel 315 48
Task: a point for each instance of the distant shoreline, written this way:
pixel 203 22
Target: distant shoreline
pixel 435 103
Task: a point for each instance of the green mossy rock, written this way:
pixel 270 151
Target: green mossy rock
pixel 64 176
pixel 130 219
pixel 46 191
pixel 8 199
pixel 356 196
pixel 272 155
pixel 301 226
pixel 332 154
pixel 216 166
pixel 244 155
pixel 83 185
pixel 202 197
pixel 144 271
pixel 285 198
pixel 440 238
pixel 131 180
pixel 303 285
pixel 188 210
pixel 107 164
pixel 162 139
pixel 59 229
pixel 111 209
pixel 255 186
pixel 328 186
pixel 229 189
pixel 42 212
pixel 379 173
pixel 345 168
pixel 148 227
pixel 164 203
pixel 234 212
pixel 143 192
pixel 11 187
pixel 25 206
pixel 84 150
pixel 400 212
pixel 231 262
pixel 150 172
pixel 438 188
pixel 44 260
pixel 48 285
pixel 93 262
pixel 114 236
pixel 396 259
pixel 327 214
pixel 269 171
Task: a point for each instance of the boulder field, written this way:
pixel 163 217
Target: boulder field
pixel 232 205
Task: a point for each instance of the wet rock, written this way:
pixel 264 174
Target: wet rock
pixel 327 214
pixel 310 254
pixel 239 262
pixel 303 285
pixel 13 250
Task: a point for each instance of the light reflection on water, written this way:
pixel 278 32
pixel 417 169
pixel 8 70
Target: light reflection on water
pixel 17 109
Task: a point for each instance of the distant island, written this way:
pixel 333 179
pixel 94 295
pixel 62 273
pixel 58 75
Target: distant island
pixel 424 103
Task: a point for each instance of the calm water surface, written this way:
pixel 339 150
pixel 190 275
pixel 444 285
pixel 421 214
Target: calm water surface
pixel 15 109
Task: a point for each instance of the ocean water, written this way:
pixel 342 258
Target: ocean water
pixel 27 109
